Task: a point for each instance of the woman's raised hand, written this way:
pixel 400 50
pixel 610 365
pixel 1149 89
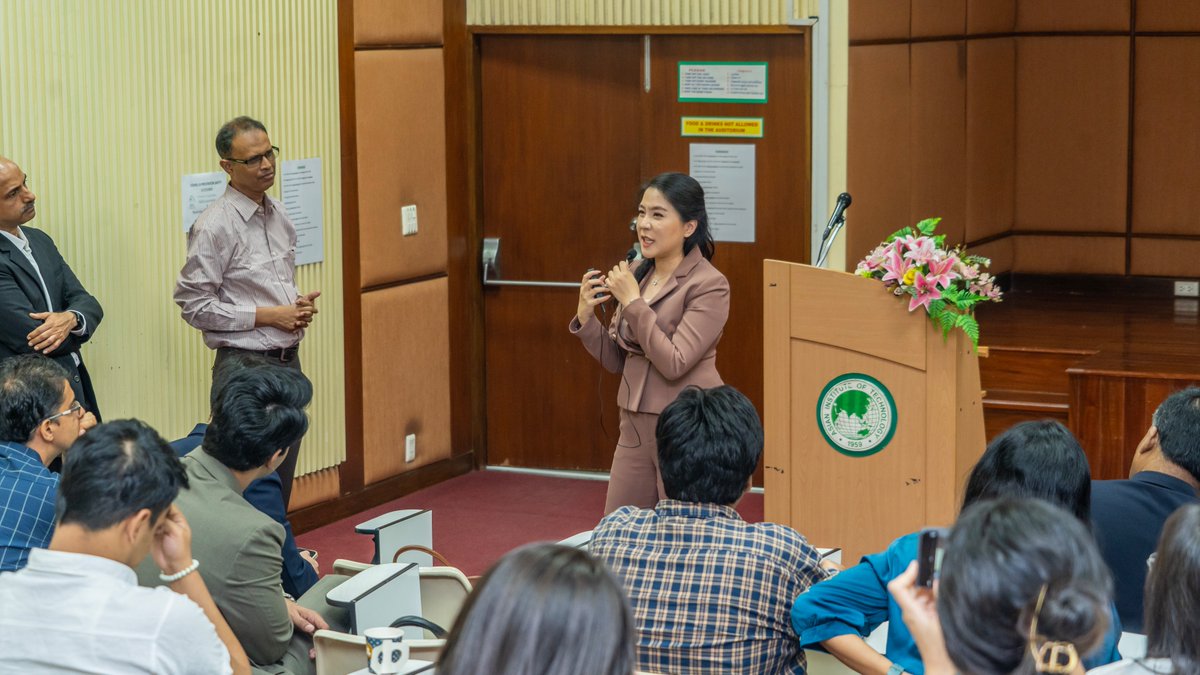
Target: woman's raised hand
pixel 591 293
pixel 623 285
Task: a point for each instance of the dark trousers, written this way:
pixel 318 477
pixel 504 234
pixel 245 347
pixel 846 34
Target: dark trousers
pixel 287 470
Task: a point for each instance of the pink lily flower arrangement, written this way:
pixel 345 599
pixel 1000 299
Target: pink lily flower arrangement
pixel 948 283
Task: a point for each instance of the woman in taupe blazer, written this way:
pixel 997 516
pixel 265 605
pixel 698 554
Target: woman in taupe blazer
pixel 663 336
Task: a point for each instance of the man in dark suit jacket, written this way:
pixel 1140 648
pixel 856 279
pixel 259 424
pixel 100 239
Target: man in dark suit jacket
pixel 43 307
pixel 1129 514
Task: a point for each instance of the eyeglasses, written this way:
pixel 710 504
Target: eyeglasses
pixel 254 161
pixel 76 409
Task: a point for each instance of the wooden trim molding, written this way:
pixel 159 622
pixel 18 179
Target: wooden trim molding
pixel 317 515
pixel 351 475
pixel 637 30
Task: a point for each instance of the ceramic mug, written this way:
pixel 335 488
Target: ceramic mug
pixel 386 651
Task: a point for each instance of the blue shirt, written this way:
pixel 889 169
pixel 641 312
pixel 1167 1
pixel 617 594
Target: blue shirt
pixel 857 602
pixel 266 495
pixel 27 493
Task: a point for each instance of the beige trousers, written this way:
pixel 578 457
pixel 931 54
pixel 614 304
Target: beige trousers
pixel 634 478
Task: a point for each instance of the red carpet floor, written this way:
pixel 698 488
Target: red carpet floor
pixel 479 517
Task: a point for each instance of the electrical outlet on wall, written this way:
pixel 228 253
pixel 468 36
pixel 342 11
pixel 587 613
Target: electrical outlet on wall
pixel 410 448
pixel 1187 289
pixel 408 220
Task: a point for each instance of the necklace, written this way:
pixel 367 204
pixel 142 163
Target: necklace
pixel 654 281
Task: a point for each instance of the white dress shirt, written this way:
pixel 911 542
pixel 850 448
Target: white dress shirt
pixel 76 613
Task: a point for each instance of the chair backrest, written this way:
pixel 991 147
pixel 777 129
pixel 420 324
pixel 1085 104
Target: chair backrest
pixel 342 653
pixel 339 653
pixel 444 590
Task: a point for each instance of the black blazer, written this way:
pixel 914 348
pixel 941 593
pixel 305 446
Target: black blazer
pixel 21 294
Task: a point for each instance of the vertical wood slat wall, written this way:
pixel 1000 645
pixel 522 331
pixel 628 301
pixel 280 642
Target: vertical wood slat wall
pixel 633 12
pixel 105 104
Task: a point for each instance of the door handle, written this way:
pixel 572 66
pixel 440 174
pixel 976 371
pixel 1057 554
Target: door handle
pixel 491 265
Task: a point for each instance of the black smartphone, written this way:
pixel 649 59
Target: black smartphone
pixel 930 548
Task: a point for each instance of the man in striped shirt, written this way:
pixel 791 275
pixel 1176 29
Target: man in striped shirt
pixel 710 592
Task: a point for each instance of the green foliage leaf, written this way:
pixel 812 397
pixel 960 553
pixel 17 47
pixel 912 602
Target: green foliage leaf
pixel 968 325
pixel 928 225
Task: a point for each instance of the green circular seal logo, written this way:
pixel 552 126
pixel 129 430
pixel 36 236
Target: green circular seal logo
pixel 856 414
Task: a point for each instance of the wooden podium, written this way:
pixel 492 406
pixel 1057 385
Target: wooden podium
pixel 872 418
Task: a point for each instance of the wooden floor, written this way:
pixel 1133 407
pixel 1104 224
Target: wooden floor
pixel 1099 363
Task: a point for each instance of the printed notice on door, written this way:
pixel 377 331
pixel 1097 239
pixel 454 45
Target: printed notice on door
pixel 726 172
pixel 724 82
pixel 305 206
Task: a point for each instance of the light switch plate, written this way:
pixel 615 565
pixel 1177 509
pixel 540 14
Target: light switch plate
pixel 410 448
pixel 408 219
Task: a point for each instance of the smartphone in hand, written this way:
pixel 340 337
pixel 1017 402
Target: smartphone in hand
pixel 930 548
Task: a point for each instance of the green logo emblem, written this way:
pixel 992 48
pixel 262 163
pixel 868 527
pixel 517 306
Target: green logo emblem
pixel 856 414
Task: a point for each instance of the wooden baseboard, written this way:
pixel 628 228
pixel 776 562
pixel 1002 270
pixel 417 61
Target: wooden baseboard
pixel 317 515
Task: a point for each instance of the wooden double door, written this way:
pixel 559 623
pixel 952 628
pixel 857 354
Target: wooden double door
pixel 571 125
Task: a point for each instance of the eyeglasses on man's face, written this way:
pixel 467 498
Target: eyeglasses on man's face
pixel 253 162
pixel 76 409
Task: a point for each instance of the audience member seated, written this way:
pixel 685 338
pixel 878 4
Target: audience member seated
pixel 258 415
pixel 300 569
pixel 710 592
pixel 1031 459
pixel 1022 589
pixel 547 609
pixel 1172 602
pixel 39 420
pixel 77 608
pixel 1129 514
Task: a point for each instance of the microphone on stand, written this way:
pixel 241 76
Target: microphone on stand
pixel 836 221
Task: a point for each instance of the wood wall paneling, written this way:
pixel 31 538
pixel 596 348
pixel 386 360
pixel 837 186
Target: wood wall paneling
pixel 938 17
pixel 1072 134
pixel 782 172
pixel 880 19
pixel 938 80
pixel 1000 251
pixel 1036 254
pixel 406 376
pixel 399 22
pixel 1072 15
pixel 1165 258
pixel 1168 15
pixel 401 125
pixel 879 146
pixel 991 137
pixel 990 16
pixel 1166 143
pixel 463 241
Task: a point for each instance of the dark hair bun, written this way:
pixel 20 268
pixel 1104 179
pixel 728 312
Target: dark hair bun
pixel 1072 614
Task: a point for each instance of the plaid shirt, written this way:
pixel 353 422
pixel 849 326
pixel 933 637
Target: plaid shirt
pixel 27 493
pixel 710 592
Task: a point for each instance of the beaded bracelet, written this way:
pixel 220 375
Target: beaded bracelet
pixel 172 578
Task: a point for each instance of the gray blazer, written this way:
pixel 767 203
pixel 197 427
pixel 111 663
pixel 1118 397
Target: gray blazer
pixel 239 552
pixel 668 344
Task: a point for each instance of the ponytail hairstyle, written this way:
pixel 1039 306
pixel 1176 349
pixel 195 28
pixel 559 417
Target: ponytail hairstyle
pixel 687 198
pixel 1016 568
pixel 1173 592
